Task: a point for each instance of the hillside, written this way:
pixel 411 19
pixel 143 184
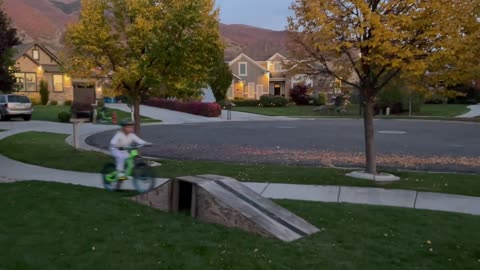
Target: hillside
pixel 45 21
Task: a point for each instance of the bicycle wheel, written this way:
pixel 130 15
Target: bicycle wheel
pixel 109 177
pixel 143 178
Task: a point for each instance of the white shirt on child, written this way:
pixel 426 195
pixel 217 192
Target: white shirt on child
pixel 121 140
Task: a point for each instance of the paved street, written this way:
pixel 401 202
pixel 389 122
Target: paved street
pixel 407 144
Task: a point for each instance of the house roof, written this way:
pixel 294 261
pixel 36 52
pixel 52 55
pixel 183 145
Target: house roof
pixel 23 48
pixel 20 50
pixel 276 54
pixel 249 59
pixel 237 77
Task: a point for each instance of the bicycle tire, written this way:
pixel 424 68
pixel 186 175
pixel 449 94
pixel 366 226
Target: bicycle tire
pixel 108 169
pixel 143 177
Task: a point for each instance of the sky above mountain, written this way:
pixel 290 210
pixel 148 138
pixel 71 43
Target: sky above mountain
pixel 270 14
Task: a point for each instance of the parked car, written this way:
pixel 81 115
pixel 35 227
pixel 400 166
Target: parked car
pixel 15 106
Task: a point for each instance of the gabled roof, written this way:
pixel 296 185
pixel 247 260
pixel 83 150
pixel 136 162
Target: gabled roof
pixel 275 55
pixel 249 59
pixel 23 48
pixel 237 77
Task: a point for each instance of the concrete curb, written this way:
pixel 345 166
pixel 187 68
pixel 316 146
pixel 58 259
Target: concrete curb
pixel 384 177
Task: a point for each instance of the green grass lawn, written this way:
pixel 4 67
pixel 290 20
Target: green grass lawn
pixel 50 150
pixel 428 111
pixel 443 110
pixel 55 226
pixel 50 113
pixel 293 110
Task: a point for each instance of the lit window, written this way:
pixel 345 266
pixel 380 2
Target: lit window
pixel 30 82
pixel 57 83
pixel 36 54
pixel 242 69
pixel 20 81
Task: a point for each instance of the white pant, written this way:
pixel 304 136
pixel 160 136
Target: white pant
pixel 120 157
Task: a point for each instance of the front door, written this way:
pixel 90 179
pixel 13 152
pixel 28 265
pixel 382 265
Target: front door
pixel 277 89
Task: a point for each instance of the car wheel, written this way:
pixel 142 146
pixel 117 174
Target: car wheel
pixel 27 117
pixel 3 117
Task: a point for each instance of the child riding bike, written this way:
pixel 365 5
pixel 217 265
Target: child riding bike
pixel 119 144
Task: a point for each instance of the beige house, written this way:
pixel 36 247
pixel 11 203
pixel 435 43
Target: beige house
pixel 253 78
pixel 34 63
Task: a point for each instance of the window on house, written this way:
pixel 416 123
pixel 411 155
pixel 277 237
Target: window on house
pixel 57 83
pixel 277 66
pixel 30 82
pixel 20 81
pixel 36 54
pixel 26 82
pixel 242 69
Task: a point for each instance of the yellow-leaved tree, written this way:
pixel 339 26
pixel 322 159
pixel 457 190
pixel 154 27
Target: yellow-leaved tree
pixel 145 45
pixel 367 43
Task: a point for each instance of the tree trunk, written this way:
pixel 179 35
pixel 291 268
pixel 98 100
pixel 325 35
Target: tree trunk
pixel 370 153
pixel 136 115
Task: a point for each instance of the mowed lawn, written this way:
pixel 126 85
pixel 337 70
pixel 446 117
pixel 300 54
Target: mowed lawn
pixel 443 110
pixel 293 110
pixel 50 113
pixel 427 110
pixel 55 226
pixel 50 150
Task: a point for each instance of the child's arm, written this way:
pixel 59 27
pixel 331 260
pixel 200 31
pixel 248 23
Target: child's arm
pixel 137 140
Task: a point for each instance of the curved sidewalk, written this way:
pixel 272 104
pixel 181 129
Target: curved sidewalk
pixel 174 117
pixel 14 170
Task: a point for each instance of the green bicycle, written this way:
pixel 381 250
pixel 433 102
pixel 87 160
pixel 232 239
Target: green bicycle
pixel 137 170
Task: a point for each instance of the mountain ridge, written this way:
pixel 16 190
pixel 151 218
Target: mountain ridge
pixel 45 21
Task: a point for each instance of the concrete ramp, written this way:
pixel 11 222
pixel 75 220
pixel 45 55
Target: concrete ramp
pixel 223 200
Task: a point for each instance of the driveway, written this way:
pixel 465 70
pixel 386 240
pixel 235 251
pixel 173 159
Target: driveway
pixel 431 145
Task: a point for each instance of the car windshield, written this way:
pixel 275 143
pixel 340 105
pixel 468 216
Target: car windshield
pixel 18 99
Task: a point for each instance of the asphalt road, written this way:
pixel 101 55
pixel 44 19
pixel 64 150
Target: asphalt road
pixel 297 142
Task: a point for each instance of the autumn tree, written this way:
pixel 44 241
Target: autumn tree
pixel 142 46
pixel 367 43
pixel 8 39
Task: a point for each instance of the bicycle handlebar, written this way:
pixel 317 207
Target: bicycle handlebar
pixel 135 147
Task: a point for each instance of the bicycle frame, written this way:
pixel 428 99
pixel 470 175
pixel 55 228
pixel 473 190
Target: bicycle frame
pixel 130 162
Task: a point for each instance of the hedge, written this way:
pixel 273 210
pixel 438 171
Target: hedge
pixel 246 102
pixel 196 108
pixel 273 101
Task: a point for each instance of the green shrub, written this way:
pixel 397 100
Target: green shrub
pixel 246 103
pixel 68 103
pixel 100 104
pixel 64 117
pixel 53 103
pixel 273 101
pixel 320 100
pixel 44 92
